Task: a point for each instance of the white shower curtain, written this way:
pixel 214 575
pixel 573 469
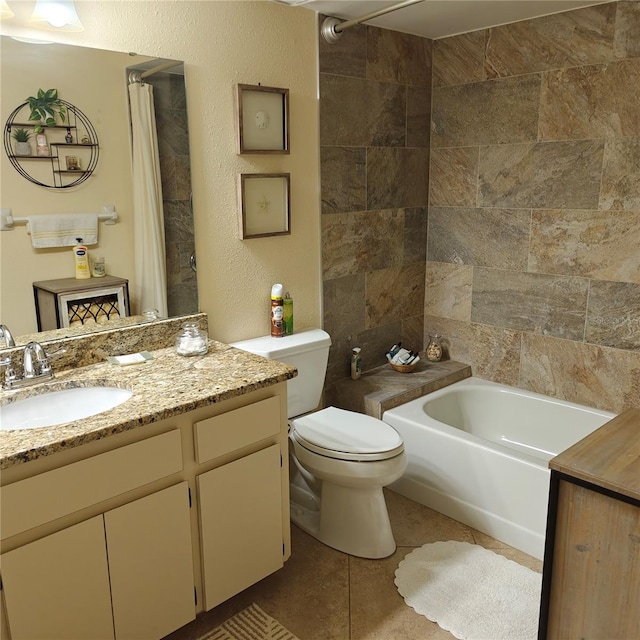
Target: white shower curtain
pixel 150 286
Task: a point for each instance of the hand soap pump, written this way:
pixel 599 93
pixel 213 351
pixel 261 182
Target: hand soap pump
pixel 81 255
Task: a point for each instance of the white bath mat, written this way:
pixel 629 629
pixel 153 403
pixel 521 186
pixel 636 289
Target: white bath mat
pixel 251 623
pixel 472 592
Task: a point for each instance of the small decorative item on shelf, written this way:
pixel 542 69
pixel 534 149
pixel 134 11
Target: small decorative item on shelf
pixel 68 138
pixel 434 349
pixel 42 146
pixel 401 359
pixel 22 144
pixel 151 314
pixel 73 164
pixel 85 140
pixel 97 268
pixel 191 341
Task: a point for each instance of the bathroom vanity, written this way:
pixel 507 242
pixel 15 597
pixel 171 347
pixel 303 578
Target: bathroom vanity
pixel 128 523
pixel 591 577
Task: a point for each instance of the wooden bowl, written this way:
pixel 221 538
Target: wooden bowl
pixel 403 368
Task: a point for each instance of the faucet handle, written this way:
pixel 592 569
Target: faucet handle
pixel 45 362
pixel 10 373
pixel 55 354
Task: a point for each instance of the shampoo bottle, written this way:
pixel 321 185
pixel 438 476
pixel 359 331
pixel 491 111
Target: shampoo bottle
pixel 81 255
pixel 356 363
pixel 277 311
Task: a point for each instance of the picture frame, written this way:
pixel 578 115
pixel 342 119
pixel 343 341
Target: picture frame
pixel 262 119
pixel 264 205
pixel 72 163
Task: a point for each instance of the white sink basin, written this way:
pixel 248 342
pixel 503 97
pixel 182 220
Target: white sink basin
pixel 57 407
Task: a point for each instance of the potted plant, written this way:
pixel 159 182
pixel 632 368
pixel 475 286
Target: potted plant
pixel 45 106
pixel 22 145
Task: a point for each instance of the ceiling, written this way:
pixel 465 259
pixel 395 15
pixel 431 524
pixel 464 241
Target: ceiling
pixel 440 18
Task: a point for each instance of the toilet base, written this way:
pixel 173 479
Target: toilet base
pixel 349 519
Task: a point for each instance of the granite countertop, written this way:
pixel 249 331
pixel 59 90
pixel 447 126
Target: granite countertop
pixel 166 386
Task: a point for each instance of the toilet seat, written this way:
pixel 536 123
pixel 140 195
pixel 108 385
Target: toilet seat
pixel 346 435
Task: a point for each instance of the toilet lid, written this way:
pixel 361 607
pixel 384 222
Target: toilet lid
pixel 353 436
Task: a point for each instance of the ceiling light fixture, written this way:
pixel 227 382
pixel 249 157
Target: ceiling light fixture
pixel 5 11
pixel 56 14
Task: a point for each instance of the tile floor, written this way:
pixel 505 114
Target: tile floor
pixel 323 594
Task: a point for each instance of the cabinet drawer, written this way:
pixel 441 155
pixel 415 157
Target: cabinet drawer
pixel 233 430
pixel 53 494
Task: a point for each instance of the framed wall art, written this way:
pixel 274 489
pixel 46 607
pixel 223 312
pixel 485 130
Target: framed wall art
pixel 262 119
pixel 264 205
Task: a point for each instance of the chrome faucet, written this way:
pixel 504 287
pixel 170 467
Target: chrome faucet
pixel 35 367
pixel 5 334
pixel 35 363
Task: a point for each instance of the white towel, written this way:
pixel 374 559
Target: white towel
pixel 62 229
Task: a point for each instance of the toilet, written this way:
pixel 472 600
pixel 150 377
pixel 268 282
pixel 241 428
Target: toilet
pixel 339 460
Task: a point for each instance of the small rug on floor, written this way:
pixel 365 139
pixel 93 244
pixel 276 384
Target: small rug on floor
pixel 251 623
pixel 472 592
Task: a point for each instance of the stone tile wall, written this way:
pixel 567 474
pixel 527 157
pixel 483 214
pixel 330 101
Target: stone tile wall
pixel 375 98
pixel 170 99
pixel 533 272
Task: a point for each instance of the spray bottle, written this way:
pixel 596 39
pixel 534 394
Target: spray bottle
pixel 288 314
pixel 277 311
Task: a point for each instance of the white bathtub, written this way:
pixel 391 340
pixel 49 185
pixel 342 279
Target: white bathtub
pixel 477 451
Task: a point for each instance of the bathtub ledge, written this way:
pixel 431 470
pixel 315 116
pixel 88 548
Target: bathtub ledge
pixel 382 388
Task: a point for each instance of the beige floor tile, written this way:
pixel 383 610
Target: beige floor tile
pixel 414 524
pixel 378 611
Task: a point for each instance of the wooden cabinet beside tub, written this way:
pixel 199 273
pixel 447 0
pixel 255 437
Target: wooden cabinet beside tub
pixel 130 536
pixel 591 577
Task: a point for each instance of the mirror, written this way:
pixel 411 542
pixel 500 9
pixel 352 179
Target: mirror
pixel 96 81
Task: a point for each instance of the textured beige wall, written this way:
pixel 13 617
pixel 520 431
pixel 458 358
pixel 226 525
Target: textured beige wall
pixel 224 43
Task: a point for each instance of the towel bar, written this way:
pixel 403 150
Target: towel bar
pixel 108 215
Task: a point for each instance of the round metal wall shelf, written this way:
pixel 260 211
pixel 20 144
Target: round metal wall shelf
pixel 63 176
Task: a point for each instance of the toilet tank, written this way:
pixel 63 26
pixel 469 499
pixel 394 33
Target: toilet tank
pixel 308 351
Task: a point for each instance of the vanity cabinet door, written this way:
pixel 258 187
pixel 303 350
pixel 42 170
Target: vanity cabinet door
pixel 240 523
pixel 151 564
pixel 58 587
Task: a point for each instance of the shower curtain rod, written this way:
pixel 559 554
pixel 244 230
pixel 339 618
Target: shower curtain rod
pixel 139 76
pixel 332 28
